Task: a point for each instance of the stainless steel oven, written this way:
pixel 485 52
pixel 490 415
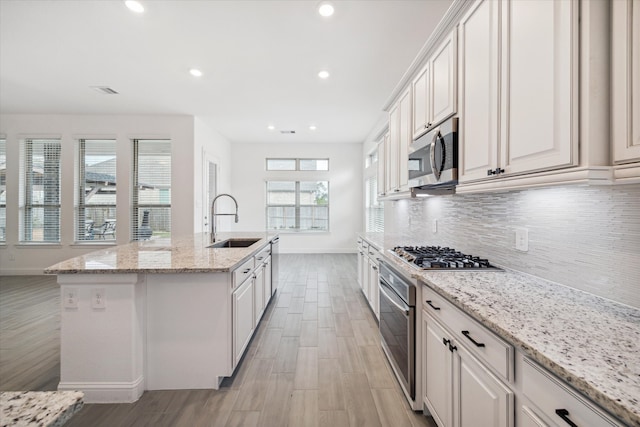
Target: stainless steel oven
pixel 398 325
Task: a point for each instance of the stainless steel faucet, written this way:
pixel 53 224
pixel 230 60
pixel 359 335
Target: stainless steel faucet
pixel 214 214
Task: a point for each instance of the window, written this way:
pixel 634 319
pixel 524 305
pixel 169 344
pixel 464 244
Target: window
pixel 96 190
pixel 39 190
pixel 374 210
pixel 151 189
pixel 297 164
pixel 3 190
pixel 298 205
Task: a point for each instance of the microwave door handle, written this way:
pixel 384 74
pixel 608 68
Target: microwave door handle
pixel 432 158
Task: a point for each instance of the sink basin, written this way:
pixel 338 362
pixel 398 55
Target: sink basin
pixel 234 243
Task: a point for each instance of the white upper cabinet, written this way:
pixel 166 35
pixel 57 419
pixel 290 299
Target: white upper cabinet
pixel 434 89
pixel 518 86
pixel 539 85
pixel 397 148
pixel 382 165
pixel 625 81
pixel 478 86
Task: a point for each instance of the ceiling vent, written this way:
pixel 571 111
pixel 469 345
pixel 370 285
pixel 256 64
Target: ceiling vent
pixel 105 90
pixel 287 131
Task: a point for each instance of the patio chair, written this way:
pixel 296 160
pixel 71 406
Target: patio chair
pixel 106 229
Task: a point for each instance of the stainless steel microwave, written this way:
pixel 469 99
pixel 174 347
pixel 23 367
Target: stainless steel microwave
pixel 433 158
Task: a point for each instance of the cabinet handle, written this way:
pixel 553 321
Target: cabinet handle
pixel 374 267
pixel 564 414
pixel 396 189
pixel 452 348
pixel 431 305
pixel 468 335
pixel 446 342
pixel 260 258
pixel 490 172
pixel 246 271
pixel 498 171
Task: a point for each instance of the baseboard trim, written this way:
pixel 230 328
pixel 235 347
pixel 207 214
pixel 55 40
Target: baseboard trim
pixel 107 392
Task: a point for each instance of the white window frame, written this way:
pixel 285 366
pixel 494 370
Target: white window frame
pixel 297 161
pixel 297 206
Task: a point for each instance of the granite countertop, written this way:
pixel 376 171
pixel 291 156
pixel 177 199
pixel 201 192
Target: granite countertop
pixel 588 341
pixel 38 408
pixel 186 254
pixel 376 239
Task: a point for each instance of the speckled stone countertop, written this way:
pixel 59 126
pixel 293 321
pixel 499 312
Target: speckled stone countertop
pixel 376 239
pixel 38 408
pixel 188 254
pixel 590 342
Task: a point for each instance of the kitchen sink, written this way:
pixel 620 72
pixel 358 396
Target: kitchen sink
pixel 234 243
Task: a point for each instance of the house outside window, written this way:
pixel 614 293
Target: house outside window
pixel 298 206
pixel 151 190
pixel 96 190
pixel 297 164
pixel 3 190
pixel 39 200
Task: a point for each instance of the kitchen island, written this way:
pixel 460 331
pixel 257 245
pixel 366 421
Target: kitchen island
pixel 159 315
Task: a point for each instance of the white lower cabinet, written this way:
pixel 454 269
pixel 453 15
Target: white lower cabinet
pixel 258 294
pixel 368 274
pixel 243 318
pixel 458 390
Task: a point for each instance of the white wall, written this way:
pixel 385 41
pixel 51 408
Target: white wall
pixel 208 144
pixel 345 192
pixel 29 259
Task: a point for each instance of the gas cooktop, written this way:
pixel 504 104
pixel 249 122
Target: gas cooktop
pixel 439 258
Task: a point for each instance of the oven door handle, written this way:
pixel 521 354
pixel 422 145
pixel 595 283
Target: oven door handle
pixel 402 309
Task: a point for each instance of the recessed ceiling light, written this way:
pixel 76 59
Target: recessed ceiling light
pixel 312 127
pixel 325 9
pixel 134 6
pixel 195 72
pixel 323 74
pixel 271 127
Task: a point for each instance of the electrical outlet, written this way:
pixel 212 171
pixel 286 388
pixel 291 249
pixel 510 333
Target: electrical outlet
pixel 70 299
pixel 522 239
pixel 434 226
pixel 98 299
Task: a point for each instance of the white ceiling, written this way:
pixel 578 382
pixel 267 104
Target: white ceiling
pixel 260 61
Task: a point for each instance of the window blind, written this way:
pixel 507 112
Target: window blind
pixel 298 205
pixel 374 210
pixel 39 200
pixel 95 207
pixel 3 190
pixel 151 189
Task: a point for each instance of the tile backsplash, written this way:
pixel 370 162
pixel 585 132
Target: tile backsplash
pixel 584 237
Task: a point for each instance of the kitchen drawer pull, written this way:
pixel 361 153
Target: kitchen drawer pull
pixel 431 305
pixel 564 414
pixel 468 335
pixel 260 258
pixel 246 271
pixel 445 342
pixel 374 267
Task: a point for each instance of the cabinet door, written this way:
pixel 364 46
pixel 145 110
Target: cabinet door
pixel 436 371
pixel 421 111
pixel 625 81
pixel 381 166
pixel 478 90
pixel 361 265
pixel 374 294
pixel 267 281
pixel 258 299
pixel 392 150
pixel 365 277
pixel 539 85
pixel 404 141
pixel 480 399
pixel 243 320
pixel 443 83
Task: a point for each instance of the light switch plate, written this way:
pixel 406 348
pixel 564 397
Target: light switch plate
pixel 434 226
pixel 522 239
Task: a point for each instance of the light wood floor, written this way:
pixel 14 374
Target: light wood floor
pixel 314 361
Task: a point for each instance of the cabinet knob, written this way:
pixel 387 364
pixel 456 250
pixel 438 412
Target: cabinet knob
pixel 499 171
pixel 490 172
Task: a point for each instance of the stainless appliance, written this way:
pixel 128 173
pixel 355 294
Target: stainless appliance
pixel 436 257
pixel 433 158
pixel 398 325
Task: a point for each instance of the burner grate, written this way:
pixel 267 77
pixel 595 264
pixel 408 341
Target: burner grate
pixel 436 257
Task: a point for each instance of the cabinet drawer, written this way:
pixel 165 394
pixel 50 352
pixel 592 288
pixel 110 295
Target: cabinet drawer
pixel 557 400
pixel 262 255
pixel 241 273
pixel 482 343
